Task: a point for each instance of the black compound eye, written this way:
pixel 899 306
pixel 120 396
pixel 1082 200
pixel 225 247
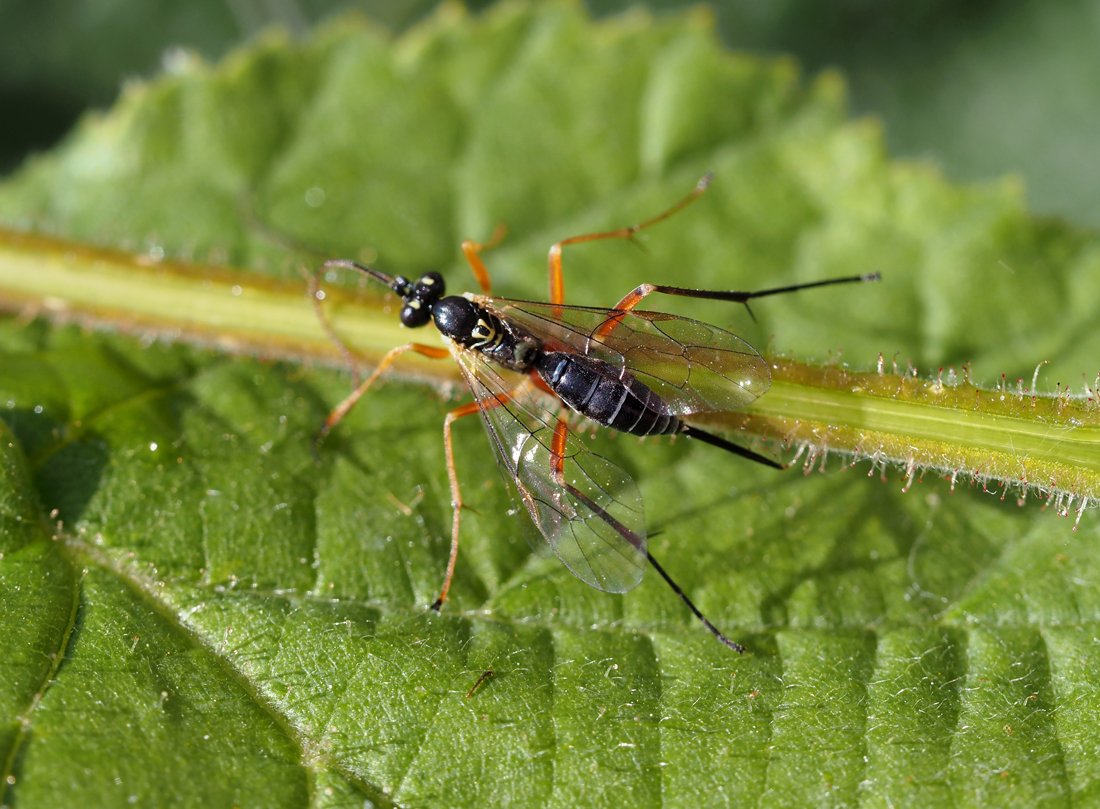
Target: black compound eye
pixel 414 314
pixel 430 286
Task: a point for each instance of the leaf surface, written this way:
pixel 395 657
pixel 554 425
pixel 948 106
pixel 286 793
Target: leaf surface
pixel 195 608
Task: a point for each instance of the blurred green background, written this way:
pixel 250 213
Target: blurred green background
pixel 983 88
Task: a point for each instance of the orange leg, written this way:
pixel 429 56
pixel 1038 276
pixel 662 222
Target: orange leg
pixel 634 297
pixel 540 384
pixel 342 409
pixel 472 250
pixel 456 494
pixel 557 451
pixel 557 282
pixel 629 301
pixel 557 470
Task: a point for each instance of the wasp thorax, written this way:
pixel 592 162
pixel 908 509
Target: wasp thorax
pixel 457 318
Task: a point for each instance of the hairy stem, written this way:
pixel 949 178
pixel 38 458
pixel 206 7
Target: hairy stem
pixel 1005 438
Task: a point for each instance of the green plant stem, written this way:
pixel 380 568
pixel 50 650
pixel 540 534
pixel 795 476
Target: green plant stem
pixel 1012 440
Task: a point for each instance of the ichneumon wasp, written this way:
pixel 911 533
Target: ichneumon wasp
pixel 636 371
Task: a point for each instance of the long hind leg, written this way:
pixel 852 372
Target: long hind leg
pixel 554 258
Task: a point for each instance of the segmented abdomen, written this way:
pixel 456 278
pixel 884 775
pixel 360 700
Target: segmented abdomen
pixel 605 394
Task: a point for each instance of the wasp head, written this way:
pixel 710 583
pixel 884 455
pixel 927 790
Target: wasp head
pixel 419 297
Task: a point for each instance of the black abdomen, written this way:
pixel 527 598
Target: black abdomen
pixel 605 394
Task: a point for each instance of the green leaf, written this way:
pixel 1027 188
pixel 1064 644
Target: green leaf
pixel 197 611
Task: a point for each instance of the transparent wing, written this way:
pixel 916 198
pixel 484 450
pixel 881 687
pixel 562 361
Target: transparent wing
pixel 693 366
pixel 590 513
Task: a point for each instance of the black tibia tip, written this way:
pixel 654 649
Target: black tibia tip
pixel 437 605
